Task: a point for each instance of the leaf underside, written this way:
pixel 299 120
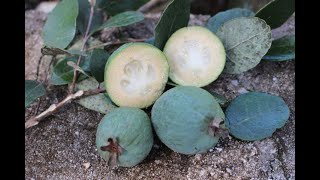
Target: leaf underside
pixel 219 19
pixel 100 102
pixel 246 40
pixel 33 90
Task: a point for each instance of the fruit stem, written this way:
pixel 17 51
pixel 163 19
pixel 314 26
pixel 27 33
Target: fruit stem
pixel 216 128
pixel 114 149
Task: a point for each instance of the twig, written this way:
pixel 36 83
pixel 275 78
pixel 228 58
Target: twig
pixel 38 66
pixel 116 43
pixel 38 106
pixel 49 70
pixel 86 37
pixel 54 107
pixel 150 5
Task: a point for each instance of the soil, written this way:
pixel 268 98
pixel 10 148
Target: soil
pixel 63 144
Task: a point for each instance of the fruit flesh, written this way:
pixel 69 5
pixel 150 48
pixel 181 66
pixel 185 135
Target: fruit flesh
pixel 195 55
pixel 136 75
pixel 130 128
pixel 182 117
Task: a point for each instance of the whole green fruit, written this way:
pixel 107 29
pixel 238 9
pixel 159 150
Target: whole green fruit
pixel 187 119
pixel 124 136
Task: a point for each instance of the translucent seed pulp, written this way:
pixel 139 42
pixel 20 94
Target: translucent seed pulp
pixel 138 77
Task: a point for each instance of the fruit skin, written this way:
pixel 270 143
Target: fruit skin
pixel 186 76
pixel 181 118
pixel 111 59
pixel 132 129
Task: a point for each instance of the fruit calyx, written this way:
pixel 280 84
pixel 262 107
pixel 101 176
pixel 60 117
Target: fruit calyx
pixel 114 149
pixel 216 128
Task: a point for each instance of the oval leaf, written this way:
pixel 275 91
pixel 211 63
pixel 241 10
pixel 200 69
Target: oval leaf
pixel 60 27
pixel 256 115
pixel 281 49
pixel 98 61
pixel 83 17
pixel 63 73
pixel 277 12
pixel 100 102
pixel 33 90
pixel 217 20
pixel 113 7
pixel 122 19
pixel 57 80
pixel 174 17
pixel 246 40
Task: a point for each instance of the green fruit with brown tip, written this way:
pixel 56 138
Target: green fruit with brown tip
pixel 124 136
pixel 188 119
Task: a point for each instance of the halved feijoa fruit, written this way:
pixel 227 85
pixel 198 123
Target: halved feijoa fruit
pixel 136 75
pixel 195 55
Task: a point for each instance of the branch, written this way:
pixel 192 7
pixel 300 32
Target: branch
pixel 150 5
pixel 86 37
pixel 54 107
pixel 116 43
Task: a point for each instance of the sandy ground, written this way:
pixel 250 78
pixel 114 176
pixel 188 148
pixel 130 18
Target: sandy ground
pixel 58 147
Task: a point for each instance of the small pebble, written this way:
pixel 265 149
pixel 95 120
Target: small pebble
pixel 198 157
pixel 157 161
pixel 242 91
pixel 202 172
pixel 235 82
pixel 228 170
pixel 86 165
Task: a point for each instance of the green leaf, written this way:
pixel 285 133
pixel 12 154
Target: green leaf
pixel 282 49
pixel 256 115
pixel 217 20
pixel 277 12
pixel 57 80
pixel 98 61
pixel 122 19
pixel 33 90
pixel 100 102
pixel 83 17
pixel 114 7
pixel 174 17
pixel 246 40
pixel 60 27
pixel 63 73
